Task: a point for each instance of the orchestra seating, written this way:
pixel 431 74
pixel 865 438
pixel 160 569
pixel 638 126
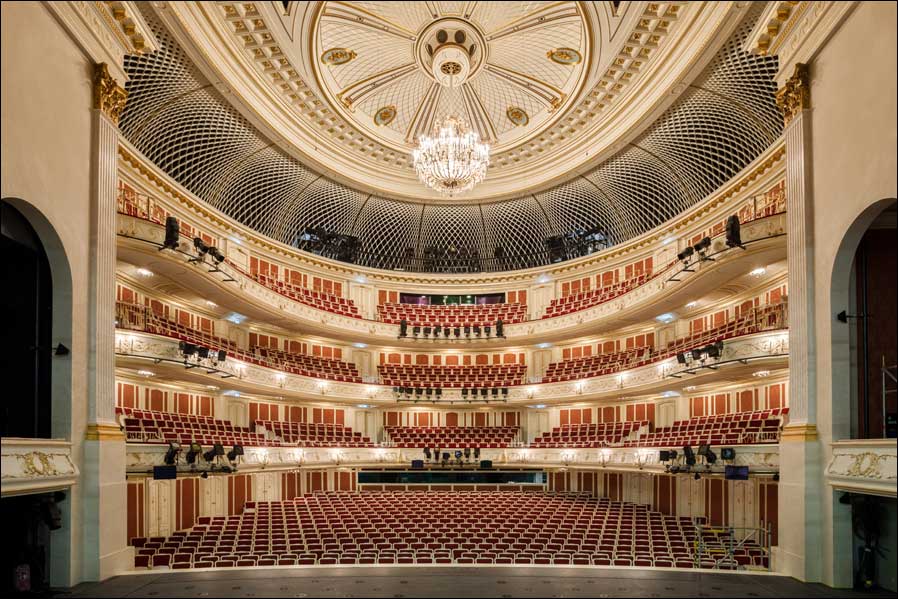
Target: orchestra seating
pixel 452 315
pixel 313 366
pixel 148 426
pixel 307 434
pixel 446 527
pixel 587 299
pixel 601 434
pixel 755 320
pixel 137 317
pixel 316 299
pixel 428 376
pixel 741 428
pixel 450 437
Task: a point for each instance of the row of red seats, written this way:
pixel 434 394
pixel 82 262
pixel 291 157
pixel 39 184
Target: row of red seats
pixel 597 365
pixel 452 316
pixel 137 317
pixel 601 434
pixel 746 428
pixel 305 434
pixel 587 299
pixel 756 320
pixel 317 299
pixel 313 366
pixel 484 527
pixel 148 426
pixel 479 376
pixel 451 437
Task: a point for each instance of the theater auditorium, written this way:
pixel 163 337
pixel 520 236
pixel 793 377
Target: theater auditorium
pixel 432 298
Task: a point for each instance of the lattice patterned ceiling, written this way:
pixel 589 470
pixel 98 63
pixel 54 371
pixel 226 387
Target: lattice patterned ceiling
pixel 722 121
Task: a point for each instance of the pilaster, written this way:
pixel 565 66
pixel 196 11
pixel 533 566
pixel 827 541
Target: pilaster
pixel 799 553
pixel 103 487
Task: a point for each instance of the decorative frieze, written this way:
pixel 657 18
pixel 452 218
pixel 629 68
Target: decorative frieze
pixel 864 466
pixel 142 457
pixel 36 466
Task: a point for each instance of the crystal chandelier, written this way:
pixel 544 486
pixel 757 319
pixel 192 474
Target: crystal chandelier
pixel 452 160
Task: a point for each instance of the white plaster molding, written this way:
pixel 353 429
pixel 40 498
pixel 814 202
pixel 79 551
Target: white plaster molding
pixel 36 466
pixel 772 344
pixel 142 457
pixel 106 31
pixel 864 466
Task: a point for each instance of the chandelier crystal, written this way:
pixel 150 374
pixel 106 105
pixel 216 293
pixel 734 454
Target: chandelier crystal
pixel 452 160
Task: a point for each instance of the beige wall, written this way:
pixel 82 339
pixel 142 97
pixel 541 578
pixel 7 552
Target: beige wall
pixel 853 137
pixel 46 144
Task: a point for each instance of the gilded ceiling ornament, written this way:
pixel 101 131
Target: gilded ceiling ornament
pixel 517 116
pixel 384 115
pixel 109 96
pixel 566 56
pixel 337 56
pixel 795 95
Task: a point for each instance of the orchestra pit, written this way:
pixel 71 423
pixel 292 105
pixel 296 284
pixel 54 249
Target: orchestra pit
pixel 449 299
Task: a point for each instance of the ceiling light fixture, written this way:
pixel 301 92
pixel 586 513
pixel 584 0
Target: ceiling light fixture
pixel 452 160
pixel 144 272
pixel 758 271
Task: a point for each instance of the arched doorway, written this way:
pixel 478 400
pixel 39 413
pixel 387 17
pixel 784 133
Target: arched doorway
pixel 37 301
pixel 27 301
pixel 864 296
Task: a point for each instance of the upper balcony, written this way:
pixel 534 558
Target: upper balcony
pixel 352 313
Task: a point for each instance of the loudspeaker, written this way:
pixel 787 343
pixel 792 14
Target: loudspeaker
pixel 203 352
pixel 222 355
pixel 486 464
pixel 172 233
pixel 417 464
pixel 165 472
pixel 403 328
pixel 734 233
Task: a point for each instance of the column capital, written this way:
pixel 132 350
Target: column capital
pixel 795 95
pixel 109 96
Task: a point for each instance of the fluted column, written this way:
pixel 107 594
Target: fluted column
pixel 800 519
pixel 103 487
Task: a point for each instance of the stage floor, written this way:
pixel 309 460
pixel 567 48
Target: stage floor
pixel 455 581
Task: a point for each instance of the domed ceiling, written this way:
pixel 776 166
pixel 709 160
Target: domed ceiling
pixel 602 117
pixel 509 69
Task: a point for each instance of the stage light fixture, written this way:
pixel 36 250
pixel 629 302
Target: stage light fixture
pixel 733 232
pixel 689 455
pixel 172 233
pixel 681 358
pixel 187 349
pixel 217 450
pixel 476 453
pixel 427 452
pixel 171 456
pixel 202 352
pixel 195 450
pixel 686 254
pixel 702 247
pixel 727 453
pixel 200 246
pixel 216 255
pixel 235 453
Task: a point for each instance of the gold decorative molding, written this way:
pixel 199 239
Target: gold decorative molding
pixel 799 432
pixel 109 96
pixel 795 95
pixel 104 432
